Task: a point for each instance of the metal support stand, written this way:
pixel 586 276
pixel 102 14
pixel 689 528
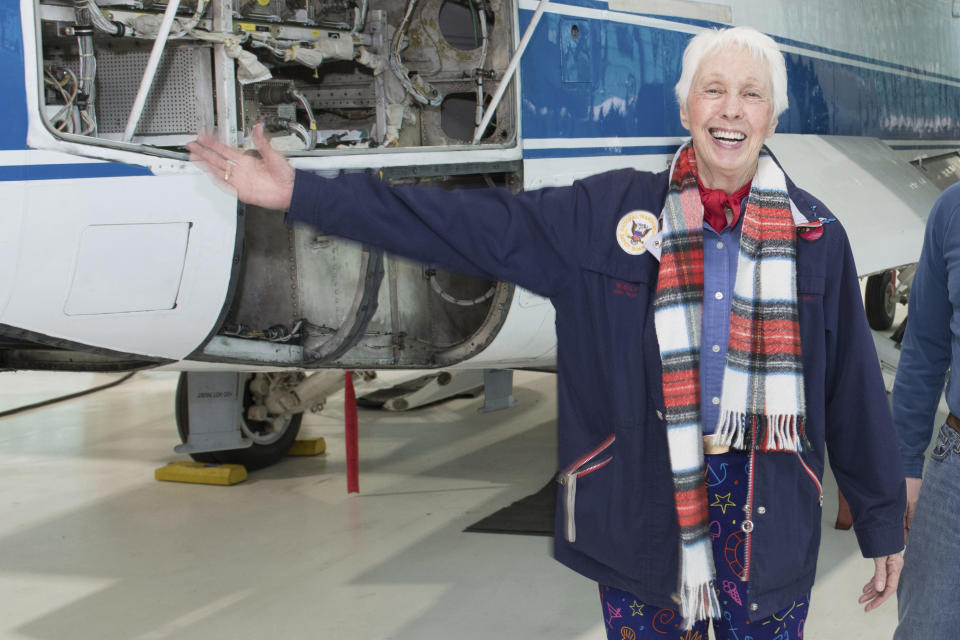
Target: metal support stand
pixel 214 413
pixel 438 387
pixel 497 390
pixel 351 434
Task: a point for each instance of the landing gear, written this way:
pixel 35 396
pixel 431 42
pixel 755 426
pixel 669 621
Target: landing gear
pixel 262 442
pixel 880 300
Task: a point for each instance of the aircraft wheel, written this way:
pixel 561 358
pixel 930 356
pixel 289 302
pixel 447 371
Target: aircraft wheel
pixel 879 301
pixel 271 438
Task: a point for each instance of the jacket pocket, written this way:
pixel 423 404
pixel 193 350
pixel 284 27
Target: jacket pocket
pixel 812 475
pixel 592 462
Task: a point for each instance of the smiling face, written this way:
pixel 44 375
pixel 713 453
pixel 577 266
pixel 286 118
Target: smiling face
pixel 729 113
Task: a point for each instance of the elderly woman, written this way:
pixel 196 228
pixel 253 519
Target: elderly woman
pixel 712 348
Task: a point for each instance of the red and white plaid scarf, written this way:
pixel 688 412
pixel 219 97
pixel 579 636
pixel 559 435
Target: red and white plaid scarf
pixel 762 404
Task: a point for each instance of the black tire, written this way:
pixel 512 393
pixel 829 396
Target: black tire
pixel 879 301
pixel 257 456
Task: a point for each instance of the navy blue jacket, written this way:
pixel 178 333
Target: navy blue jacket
pixel 560 243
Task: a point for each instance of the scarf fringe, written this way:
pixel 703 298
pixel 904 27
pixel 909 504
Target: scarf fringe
pixel 766 432
pixel 698 602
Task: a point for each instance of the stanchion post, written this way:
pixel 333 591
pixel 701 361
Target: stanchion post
pixel 351 435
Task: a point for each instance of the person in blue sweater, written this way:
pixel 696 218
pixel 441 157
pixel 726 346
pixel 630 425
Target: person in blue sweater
pixel 931 348
pixel 712 349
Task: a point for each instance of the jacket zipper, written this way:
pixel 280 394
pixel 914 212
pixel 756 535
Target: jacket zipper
pixel 747 525
pixel 813 476
pixel 568 479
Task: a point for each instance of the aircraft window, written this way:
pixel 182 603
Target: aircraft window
pixel 325 75
pixel 464 23
pixel 458 116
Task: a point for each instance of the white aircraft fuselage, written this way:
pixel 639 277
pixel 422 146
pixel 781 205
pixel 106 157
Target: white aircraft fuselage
pixel 120 254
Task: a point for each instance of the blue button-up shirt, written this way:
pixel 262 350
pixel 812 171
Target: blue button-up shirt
pixel 720 253
pixel 932 340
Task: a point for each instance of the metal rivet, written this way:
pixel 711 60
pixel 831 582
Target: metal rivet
pixel 747 526
pixel 754 606
pixel 761 510
pixel 659 414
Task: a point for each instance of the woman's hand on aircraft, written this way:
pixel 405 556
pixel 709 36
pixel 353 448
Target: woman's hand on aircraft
pixel 265 181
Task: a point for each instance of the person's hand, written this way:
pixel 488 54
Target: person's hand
pixel 886 576
pixel 913 492
pixel 266 181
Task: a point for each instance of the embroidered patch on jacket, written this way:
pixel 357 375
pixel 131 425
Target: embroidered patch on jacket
pixel 634 230
pixel 813 230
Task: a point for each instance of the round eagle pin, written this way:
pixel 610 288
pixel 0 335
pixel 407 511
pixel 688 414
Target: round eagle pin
pixel 634 230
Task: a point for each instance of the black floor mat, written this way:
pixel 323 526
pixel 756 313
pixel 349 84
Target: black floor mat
pixel 530 516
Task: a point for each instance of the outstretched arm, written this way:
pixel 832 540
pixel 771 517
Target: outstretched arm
pixel 533 239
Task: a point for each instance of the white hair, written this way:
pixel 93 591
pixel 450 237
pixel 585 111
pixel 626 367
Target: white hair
pixel 760 45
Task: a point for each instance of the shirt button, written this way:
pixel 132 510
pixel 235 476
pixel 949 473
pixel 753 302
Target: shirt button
pixel 754 606
pixel 715 400
pixel 720 245
pixel 761 510
pixel 718 295
pixel 716 348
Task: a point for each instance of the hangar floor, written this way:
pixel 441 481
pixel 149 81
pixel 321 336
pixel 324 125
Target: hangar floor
pixel 92 547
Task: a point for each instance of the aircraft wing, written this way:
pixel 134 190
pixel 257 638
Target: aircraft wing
pixel 882 200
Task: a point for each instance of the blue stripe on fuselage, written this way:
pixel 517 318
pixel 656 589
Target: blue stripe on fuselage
pixel 582 152
pixel 71 171
pixel 616 80
pixel 13 94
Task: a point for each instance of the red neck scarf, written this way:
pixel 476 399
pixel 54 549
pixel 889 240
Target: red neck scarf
pixel 714 202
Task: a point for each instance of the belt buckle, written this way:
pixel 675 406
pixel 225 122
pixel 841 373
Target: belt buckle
pixel 711 449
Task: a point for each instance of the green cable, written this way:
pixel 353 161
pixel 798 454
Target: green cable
pixel 473 15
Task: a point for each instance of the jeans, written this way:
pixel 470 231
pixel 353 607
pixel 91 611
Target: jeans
pixel 930 584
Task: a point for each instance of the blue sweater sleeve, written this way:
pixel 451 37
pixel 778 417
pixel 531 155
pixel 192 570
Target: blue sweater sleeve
pixel 531 238
pixel 925 354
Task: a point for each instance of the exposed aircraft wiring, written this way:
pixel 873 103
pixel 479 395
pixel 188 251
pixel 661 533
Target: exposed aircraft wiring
pixel 194 21
pixel 71 396
pixel 302 99
pixel 360 17
pixel 98 20
pixel 283 94
pixel 481 14
pixel 65 115
pixel 276 333
pixel 86 96
pixel 412 82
